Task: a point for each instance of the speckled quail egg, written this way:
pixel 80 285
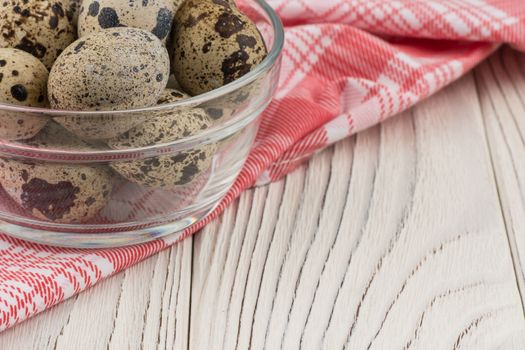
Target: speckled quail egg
pixel 114 69
pixel 61 193
pixel 40 27
pixel 213 45
pixel 23 81
pixel 174 169
pixel 155 16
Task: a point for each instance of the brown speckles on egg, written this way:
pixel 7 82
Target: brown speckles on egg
pixel 206 47
pixel 246 41
pixel 228 24
pixel 175 94
pixel 170 170
pixel 40 28
pixel 235 66
pixel 215 113
pixel 163 25
pixel 216 50
pixel 19 92
pixel 34 48
pixel 155 16
pixel 93 9
pixel 58 9
pixel 108 18
pixel 192 21
pixel 53 22
pixel 52 200
pixel 79 46
pixel 23 81
pixel 90 201
pixel 24 175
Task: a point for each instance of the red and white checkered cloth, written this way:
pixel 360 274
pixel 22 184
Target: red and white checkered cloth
pixel 347 65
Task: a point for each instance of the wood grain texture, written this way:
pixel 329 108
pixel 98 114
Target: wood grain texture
pixel 406 236
pixel 393 240
pixel 501 84
pixel 515 341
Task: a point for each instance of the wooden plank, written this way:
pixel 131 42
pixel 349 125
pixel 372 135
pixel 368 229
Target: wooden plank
pixel 394 239
pixel 515 341
pixel 147 306
pixel 501 83
pixel 41 331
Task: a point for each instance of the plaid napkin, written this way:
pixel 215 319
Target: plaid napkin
pixel 347 65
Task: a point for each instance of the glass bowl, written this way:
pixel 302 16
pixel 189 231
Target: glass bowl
pixel 64 191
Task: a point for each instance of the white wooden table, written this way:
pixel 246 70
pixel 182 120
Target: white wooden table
pixel 410 235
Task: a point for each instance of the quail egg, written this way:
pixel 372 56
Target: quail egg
pixel 213 45
pixel 169 170
pixel 56 192
pixel 155 16
pixel 119 68
pixel 114 69
pixel 23 81
pixel 40 27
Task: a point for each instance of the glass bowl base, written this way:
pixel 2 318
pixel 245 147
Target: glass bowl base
pixel 103 239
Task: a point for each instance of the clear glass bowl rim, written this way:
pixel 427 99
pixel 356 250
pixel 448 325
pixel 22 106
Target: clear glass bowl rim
pixel 266 65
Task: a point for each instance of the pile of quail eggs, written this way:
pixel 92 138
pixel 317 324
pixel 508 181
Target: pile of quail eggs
pixel 112 55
